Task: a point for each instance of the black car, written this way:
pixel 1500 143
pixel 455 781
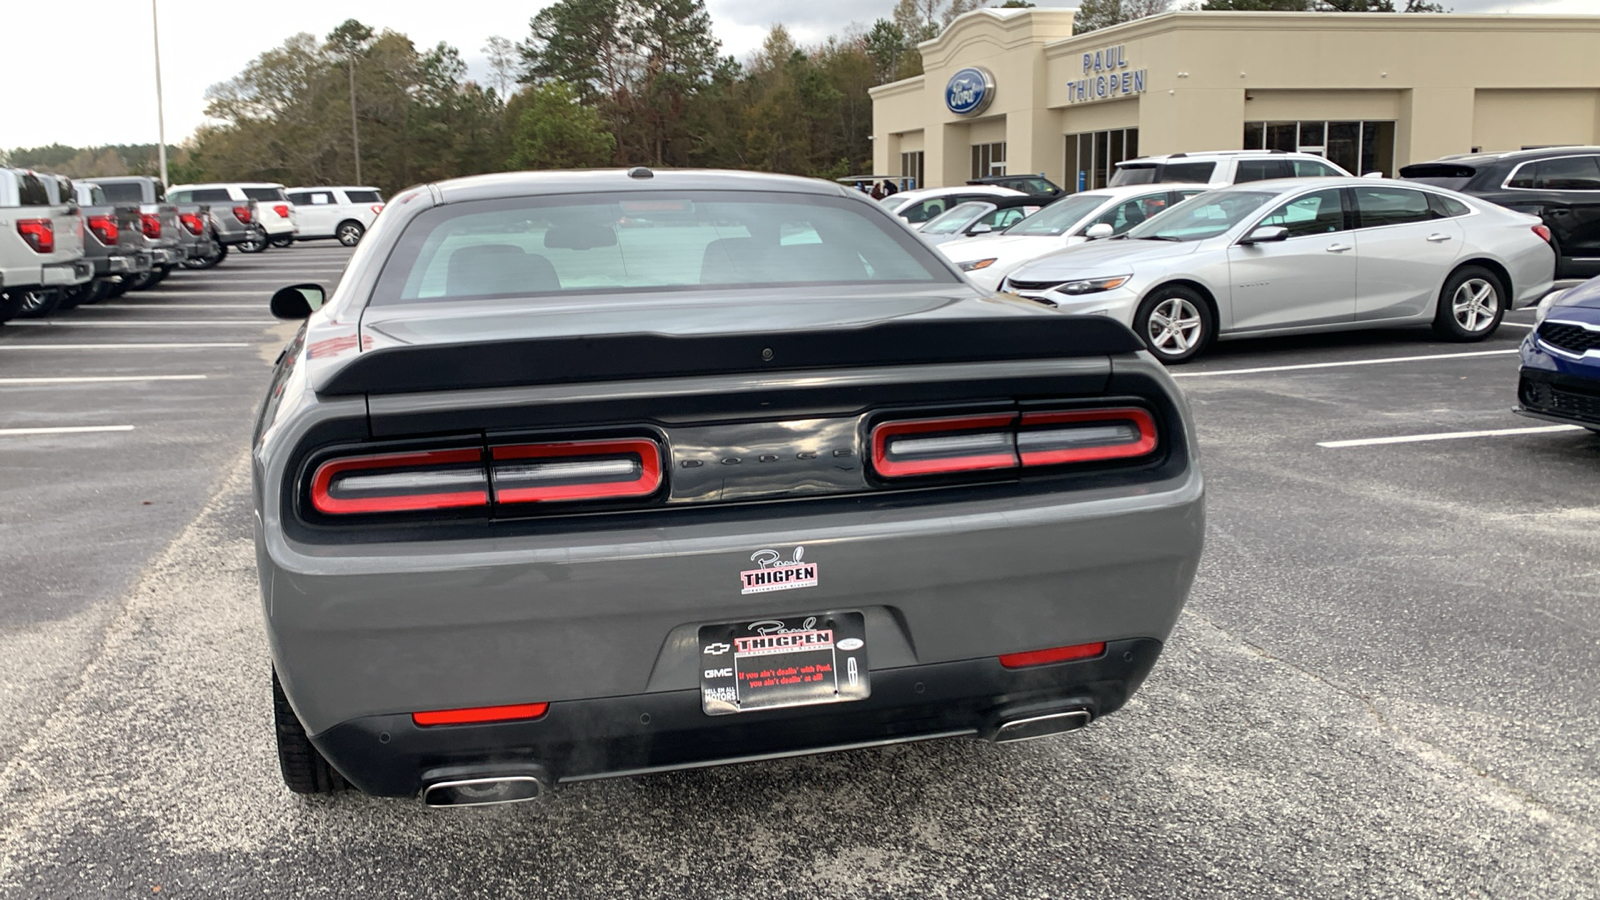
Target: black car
pixel 1037 185
pixel 1560 185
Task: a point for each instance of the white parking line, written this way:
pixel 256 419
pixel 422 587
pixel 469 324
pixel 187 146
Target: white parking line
pixel 99 379
pixel 192 345
pixel 1514 325
pixel 79 429
pixel 169 306
pixel 1446 436
pixel 197 293
pixel 1333 365
pixel 48 323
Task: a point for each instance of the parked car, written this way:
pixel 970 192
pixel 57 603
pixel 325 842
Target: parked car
pixel 1068 221
pixel 271 211
pixel 112 244
pixel 1219 167
pixel 341 213
pixel 235 220
pixel 41 242
pixel 976 217
pixel 159 226
pixel 921 205
pixel 1560 378
pixel 1560 185
pixel 512 536
pixel 1037 185
pixel 1303 255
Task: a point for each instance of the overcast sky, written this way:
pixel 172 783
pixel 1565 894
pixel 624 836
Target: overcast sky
pixel 97 85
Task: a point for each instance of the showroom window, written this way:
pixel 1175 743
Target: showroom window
pixel 988 159
pixel 1092 154
pixel 1357 147
pixel 911 166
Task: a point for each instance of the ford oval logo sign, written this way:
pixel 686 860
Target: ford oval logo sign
pixel 970 91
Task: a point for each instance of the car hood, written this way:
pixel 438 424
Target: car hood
pixel 1585 296
pixel 997 245
pixel 1098 255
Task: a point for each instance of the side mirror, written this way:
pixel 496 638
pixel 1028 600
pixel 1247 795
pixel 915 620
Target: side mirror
pixel 979 228
pixel 1099 231
pixel 298 301
pixel 1266 234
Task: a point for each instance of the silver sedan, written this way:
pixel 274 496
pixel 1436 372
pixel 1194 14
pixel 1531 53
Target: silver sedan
pixel 1303 255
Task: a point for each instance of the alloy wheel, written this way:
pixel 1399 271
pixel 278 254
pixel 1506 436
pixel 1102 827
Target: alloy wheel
pixel 1175 326
pixel 1475 305
pixel 350 235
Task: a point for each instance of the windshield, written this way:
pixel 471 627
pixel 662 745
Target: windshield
pixel 957 218
pixel 894 201
pixel 1059 217
pixel 1201 217
pixel 615 243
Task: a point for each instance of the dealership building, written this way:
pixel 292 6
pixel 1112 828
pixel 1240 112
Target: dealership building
pixel 1013 91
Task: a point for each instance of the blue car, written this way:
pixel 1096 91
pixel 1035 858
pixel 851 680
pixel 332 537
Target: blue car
pixel 1561 359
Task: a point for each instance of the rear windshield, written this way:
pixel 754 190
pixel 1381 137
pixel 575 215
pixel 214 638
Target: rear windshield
pixel 1446 175
pixel 124 192
pixel 208 195
pixel 261 193
pixel 1163 173
pixel 364 196
pixel 660 241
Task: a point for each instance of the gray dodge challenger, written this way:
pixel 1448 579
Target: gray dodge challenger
pixel 586 474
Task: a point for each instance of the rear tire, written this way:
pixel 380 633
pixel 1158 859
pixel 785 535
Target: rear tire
pixel 1471 305
pixel 304 770
pixel 10 304
pixel 208 262
pixel 38 303
pixel 349 232
pixel 149 279
pixel 78 294
pixel 1175 323
pixel 283 242
pixel 255 243
pixel 117 287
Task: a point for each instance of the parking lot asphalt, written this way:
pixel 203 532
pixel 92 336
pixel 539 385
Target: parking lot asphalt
pixel 1382 686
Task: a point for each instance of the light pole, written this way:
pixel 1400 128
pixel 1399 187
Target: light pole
pixel 355 134
pixel 161 118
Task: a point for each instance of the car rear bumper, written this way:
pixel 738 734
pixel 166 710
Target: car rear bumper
pixel 578 740
pixel 166 256
pixel 121 264
pixel 65 274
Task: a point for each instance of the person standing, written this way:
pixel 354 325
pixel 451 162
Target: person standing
pixel 877 191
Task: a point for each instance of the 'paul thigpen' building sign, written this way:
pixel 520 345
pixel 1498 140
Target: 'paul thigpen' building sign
pixel 1106 76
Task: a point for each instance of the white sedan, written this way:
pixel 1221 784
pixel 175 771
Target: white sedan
pixel 1303 255
pixel 1066 222
pixel 921 205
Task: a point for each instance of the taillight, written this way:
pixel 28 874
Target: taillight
pixel 401 482
pixel 576 470
pixel 377 208
pixel 281 210
pixel 1011 440
pixel 1053 655
pixel 105 230
pixel 191 221
pixel 242 213
pixel 1543 232
pixel 151 225
pixel 481 714
pixel 39 233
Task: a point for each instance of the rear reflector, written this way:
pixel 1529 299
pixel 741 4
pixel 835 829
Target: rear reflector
pixel 401 482
pixel 1005 441
pixel 576 470
pixel 1053 655
pixel 481 714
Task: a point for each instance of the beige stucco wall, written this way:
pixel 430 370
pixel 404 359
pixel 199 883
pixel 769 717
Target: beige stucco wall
pixel 1450 82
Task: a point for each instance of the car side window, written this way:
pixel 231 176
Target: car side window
pixel 1446 207
pixel 927 209
pixel 31 191
pixel 1310 168
pixel 180 196
pixel 1316 213
pixel 1570 173
pixel 1193 172
pixel 299 198
pixel 1380 206
pixel 321 199
pixel 1004 218
pixel 1261 170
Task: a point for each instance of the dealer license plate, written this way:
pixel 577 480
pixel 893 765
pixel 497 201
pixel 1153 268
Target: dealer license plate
pixel 795 661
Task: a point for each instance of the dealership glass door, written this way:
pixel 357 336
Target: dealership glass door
pixel 1357 147
pixel 988 159
pixel 911 167
pixel 1092 156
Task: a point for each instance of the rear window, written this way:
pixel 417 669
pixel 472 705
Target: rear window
pixel 262 193
pixel 311 198
pixel 31 190
pixel 1163 173
pixel 208 195
pixel 613 243
pixel 124 192
pixel 1262 169
pixel 364 196
pixel 1446 175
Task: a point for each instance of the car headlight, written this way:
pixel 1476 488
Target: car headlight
pixel 977 264
pixel 1543 309
pixel 1093 285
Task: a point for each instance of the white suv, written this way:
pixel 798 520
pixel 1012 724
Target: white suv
pixel 341 213
pixel 273 211
pixel 1220 167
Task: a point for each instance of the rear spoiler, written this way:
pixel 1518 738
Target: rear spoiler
pixel 621 357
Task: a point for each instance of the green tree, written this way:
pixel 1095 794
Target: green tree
pixel 555 131
pixel 1094 15
pixel 1256 5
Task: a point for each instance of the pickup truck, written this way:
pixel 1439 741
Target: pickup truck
pixel 158 223
pixel 41 242
pixel 271 210
pixel 112 244
pixel 234 222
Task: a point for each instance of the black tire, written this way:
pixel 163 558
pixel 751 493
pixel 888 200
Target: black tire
pixel 1462 315
pixel 304 770
pixel 38 303
pixel 207 262
pixel 283 242
pixel 255 243
pixel 349 232
pixel 117 287
pixel 10 305
pixel 78 294
pixel 1173 345
pixel 148 280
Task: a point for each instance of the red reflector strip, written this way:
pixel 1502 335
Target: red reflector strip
pixel 1053 655
pixel 1052 446
pixel 323 500
pixel 953 455
pixel 577 482
pixel 481 714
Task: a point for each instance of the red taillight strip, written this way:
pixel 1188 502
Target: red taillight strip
pixel 479 714
pixel 105 230
pixel 1141 419
pixel 40 234
pixel 1053 655
pixel 645 484
pixel 151 225
pixel 890 468
pixel 325 502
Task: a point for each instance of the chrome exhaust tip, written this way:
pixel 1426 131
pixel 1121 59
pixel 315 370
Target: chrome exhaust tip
pixel 1041 726
pixel 490 791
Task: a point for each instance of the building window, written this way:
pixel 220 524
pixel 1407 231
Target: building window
pixel 1093 155
pixel 911 167
pixel 988 159
pixel 1357 147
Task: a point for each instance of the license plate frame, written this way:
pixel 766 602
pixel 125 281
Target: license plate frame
pixel 780 662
